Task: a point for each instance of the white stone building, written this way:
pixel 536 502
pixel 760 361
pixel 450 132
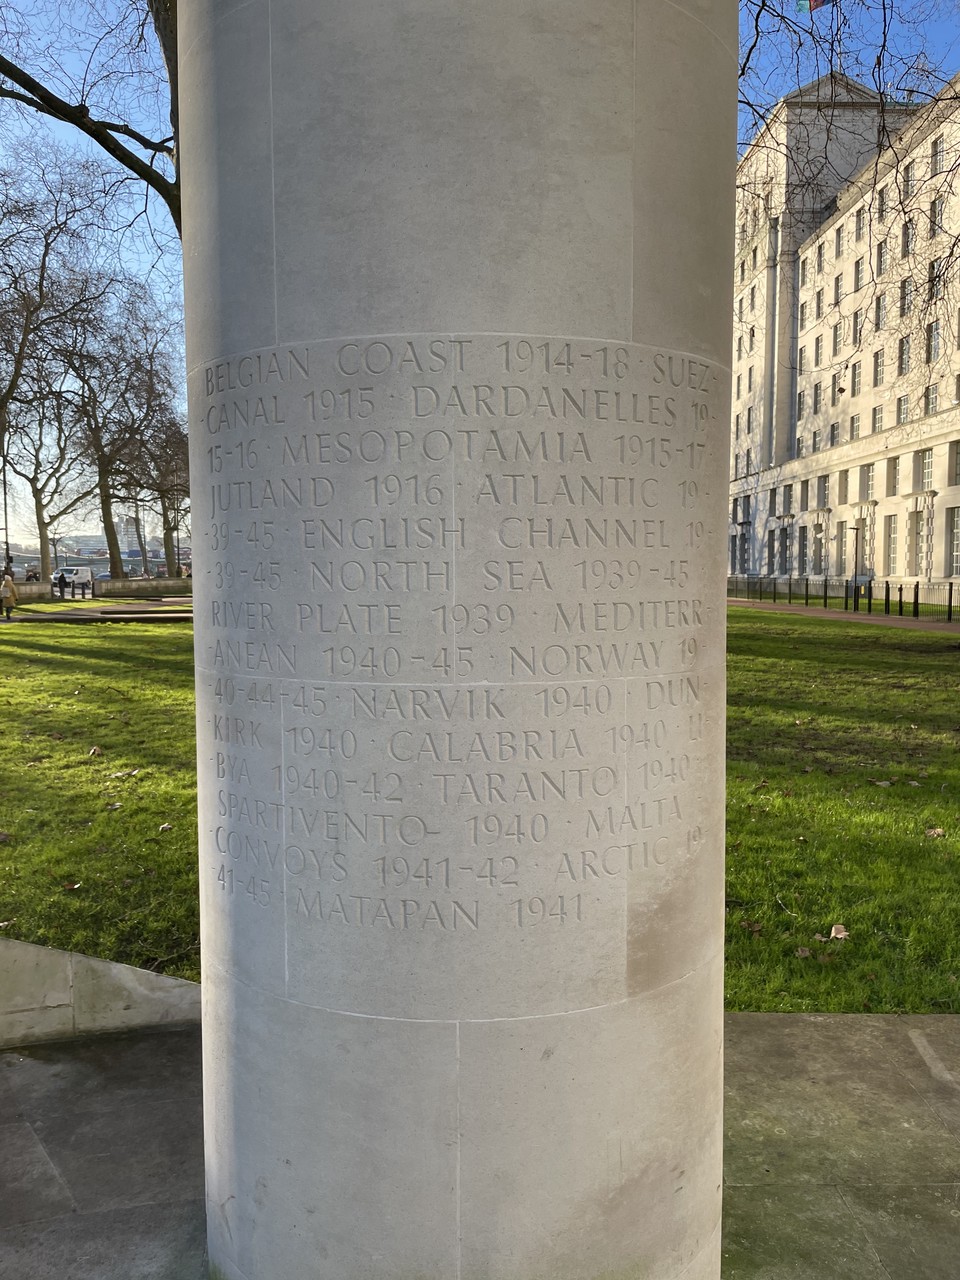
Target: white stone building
pixel 845 440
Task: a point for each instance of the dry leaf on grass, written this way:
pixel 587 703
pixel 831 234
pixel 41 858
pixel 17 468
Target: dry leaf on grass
pixel 166 827
pixel 95 751
pixel 935 833
pixel 839 931
pixel 115 806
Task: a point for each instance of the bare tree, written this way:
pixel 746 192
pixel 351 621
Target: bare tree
pixel 47 287
pixel 121 392
pixel 108 69
pixel 44 448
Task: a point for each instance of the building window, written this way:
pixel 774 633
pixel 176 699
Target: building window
pixel 743 270
pixel 930 397
pixel 823 492
pixel 876 418
pixel 802 551
pixel 801 404
pixel 953 540
pixel 866 483
pixel 804 495
pixel 854 426
pixel 817 396
pixel 798 447
pixel 903 355
pixel 837 338
pixel 919 540
pixel 878 368
pixel 738 386
pixel 773 502
pixel 803 315
pixel 937 205
pixel 841 547
pixel 737 425
pixel 936 155
pixel 859 223
pixel 834 433
pixel 818 304
pixel 909 175
pixel 837 288
pixel 955 458
pixel 803 272
pixel 787 499
pixel 907 238
pixel 818 351
pixel 740 348
pixel 843 487
pixel 749 420
pixel 881 204
pixel 881 258
pixel 740 308
pixel 820 256
pixel 753 297
pixel 754 257
pixel 748 464
pixel 906 296
pixel 880 311
pixel 838 241
pixel 802 360
pixel 750 378
pixel 935 280
pixel 834 389
pixel 890 545
pixel 857 332
pixel 815 442
pixel 933 341
pixel 858 273
pixel 893 477
pixel 926 469
pixel 753 337
pixel 903 410
pixel 855 372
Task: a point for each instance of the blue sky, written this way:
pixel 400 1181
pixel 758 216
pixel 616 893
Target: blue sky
pixel 894 47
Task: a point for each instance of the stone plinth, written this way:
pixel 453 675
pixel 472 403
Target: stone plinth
pixel 457 283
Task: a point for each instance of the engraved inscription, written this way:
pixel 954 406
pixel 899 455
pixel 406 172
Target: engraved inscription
pixel 451 650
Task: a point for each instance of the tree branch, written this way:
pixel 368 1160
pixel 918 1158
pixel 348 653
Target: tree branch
pixel 44 101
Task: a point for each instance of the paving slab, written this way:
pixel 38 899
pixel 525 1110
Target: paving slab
pixel 842 1153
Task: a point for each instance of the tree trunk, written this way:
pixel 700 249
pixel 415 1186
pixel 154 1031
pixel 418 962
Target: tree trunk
pixel 109 531
pixel 43 535
pixel 141 541
pixel 168 520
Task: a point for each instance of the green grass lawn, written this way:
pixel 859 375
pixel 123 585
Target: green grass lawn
pixel 96 756
pixel 843 756
pixel 843 809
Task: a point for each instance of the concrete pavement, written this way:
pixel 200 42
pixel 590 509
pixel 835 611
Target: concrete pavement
pixel 842 1153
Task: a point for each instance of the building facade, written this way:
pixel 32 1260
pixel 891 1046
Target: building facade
pixel 845 439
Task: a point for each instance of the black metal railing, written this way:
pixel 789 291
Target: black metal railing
pixel 932 600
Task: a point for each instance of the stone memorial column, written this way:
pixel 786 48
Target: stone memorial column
pixel 458 292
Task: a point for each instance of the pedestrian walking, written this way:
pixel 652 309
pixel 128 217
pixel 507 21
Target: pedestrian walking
pixel 8 597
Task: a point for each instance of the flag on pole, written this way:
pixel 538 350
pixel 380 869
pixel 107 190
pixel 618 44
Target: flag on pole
pixel 811 6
